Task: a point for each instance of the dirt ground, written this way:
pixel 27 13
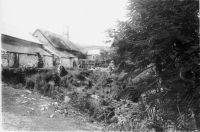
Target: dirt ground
pixel 26 111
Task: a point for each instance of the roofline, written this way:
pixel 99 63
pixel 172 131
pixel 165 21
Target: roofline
pixel 52 44
pixel 39 30
pixel 44 36
pixel 53 53
pixel 21 39
pixel 24 53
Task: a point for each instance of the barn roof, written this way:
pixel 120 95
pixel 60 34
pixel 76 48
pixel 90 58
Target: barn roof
pixel 18 33
pixel 58 41
pixel 18 45
pixel 59 53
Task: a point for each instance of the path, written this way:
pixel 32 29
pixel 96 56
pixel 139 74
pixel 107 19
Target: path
pixel 22 110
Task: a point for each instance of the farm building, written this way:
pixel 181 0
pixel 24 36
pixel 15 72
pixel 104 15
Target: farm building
pixel 60 46
pixel 24 52
pixel 93 54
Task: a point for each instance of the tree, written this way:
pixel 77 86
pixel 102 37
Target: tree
pixel 164 34
pixel 104 55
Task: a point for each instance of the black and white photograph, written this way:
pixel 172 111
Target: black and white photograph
pixel 100 65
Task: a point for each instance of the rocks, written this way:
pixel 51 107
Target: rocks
pixel 58 111
pixel 28 91
pixel 33 99
pixel 55 103
pixel 95 96
pixel 44 107
pixel 52 115
pixel 23 102
pixel 67 99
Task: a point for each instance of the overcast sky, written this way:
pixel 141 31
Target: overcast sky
pixel 87 19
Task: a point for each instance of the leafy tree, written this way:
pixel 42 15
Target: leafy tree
pixel 103 55
pixel 163 34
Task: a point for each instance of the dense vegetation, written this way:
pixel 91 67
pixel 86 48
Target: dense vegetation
pixel 158 48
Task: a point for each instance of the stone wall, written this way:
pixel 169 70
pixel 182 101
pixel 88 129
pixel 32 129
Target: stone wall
pixel 66 62
pixel 27 60
pixel 48 61
pixel 24 60
pixel 8 59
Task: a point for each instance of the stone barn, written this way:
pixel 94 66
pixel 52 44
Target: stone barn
pixel 60 46
pixel 18 52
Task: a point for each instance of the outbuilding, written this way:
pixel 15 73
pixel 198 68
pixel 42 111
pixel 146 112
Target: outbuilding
pixel 59 46
pixel 23 52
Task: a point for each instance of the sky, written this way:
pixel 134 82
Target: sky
pixel 87 19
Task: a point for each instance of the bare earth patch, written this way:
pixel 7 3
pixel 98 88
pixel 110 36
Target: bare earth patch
pixel 23 110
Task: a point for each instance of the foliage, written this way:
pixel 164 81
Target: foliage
pixel 18 75
pixel 163 35
pixel 105 56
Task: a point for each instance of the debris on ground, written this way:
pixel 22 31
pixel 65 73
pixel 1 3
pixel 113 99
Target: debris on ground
pixel 52 115
pixel 28 91
pixel 67 99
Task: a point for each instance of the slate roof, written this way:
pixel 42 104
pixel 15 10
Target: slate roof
pixel 18 33
pixel 18 45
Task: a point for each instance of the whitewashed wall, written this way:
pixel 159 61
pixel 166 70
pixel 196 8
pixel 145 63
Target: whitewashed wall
pixel 26 60
pixel 48 61
pixel 66 62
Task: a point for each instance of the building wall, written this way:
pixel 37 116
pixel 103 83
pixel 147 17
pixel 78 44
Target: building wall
pixel 26 60
pixel 4 62
pixel 4 59
pixel 75 60
pixel 48 61
pixel 32 61
pixel 11 59
pixel 8 59
pixel 66 62
pixel 93 57
pixel 90 57
pixel 42 39
pixel 69 62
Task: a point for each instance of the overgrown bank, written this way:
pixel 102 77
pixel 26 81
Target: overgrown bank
pixel 111 98
pixel 93 93
pixel 163 35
